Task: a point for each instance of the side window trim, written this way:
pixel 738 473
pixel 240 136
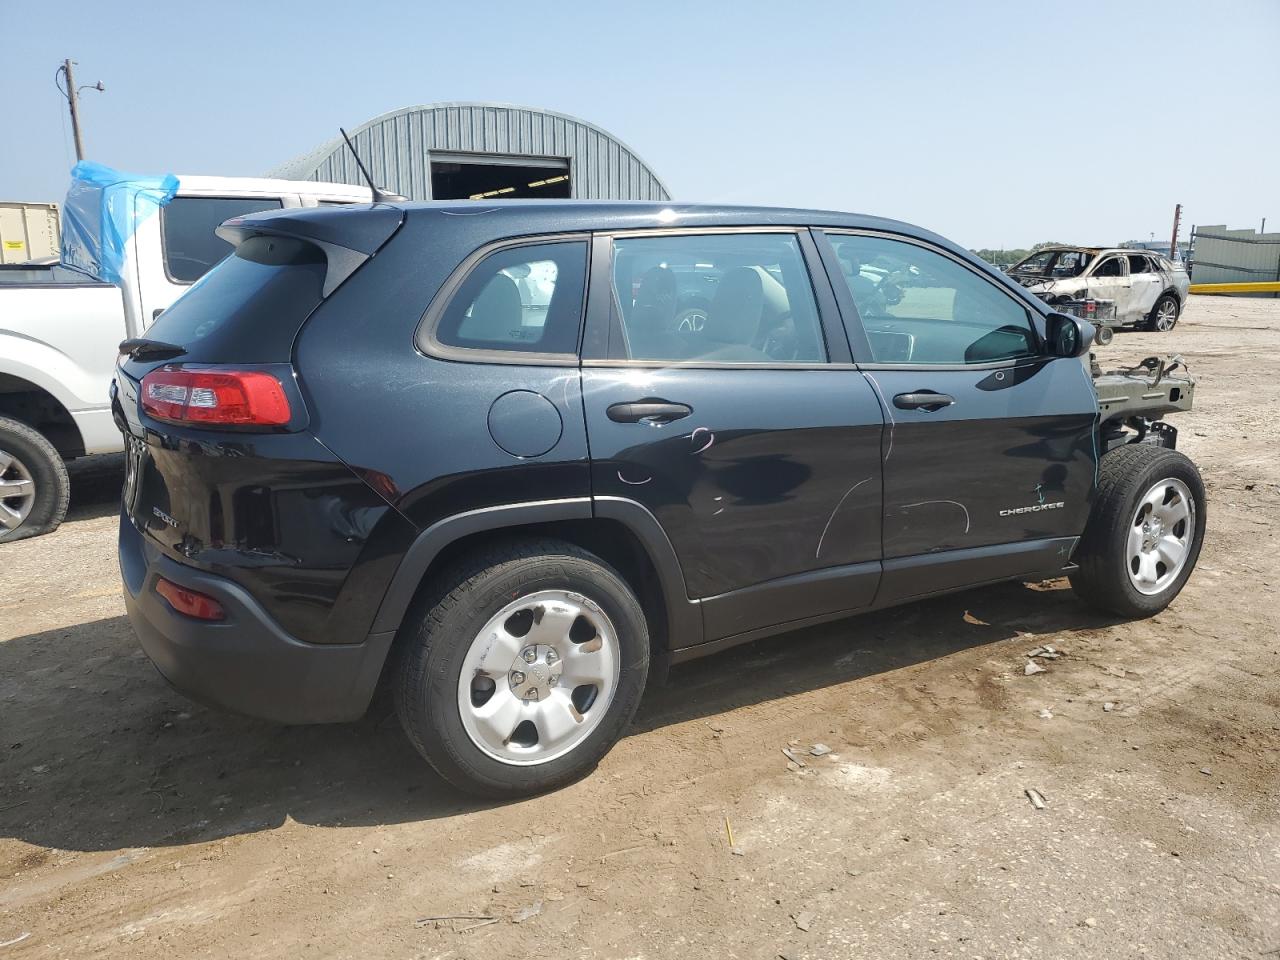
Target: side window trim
pixel 603 313
pixel 164 239
pixel 861 345
pixel 428 343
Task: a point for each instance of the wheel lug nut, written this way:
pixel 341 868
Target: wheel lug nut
pixel 551 656
pixel 529 655
pixel 517 677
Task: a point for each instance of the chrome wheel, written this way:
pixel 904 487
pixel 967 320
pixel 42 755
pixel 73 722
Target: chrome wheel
pixel 17 491
pixel 1166 315
pixel 1161 535
pixel 539 677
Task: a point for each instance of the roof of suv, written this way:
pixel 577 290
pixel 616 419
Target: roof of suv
pixel 627 214
pixel 478 222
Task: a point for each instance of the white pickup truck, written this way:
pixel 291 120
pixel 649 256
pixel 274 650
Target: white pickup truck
pixel 60 328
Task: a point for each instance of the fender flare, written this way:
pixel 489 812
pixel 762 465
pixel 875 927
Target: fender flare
pixel 684 616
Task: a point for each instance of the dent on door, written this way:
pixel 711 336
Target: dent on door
pixel 1006 471
pixel 769 477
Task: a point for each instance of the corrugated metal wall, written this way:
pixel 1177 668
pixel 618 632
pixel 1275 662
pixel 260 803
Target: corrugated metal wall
pixel 1234 256
pixel 396 148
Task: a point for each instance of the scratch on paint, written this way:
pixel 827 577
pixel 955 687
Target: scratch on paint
pixel 470 213
pixel 711 438
pixel 718 512
pixel 839 504
pixel 887 412
pixel 634 483
pixel 954 503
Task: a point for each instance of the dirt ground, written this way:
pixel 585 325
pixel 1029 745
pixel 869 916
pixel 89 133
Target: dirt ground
pixel 134 823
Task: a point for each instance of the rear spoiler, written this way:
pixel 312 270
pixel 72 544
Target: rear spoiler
pixel 348 236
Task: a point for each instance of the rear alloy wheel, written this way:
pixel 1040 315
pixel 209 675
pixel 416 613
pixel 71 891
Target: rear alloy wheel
pixel 522 669
pixel 34 488
pixel 1164 315
pixel 1143 536
pixel 539 677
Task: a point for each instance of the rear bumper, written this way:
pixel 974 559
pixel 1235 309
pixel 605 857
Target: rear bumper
pixel 245 663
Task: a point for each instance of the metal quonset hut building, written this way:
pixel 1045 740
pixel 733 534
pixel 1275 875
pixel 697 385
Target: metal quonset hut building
pixel 483 151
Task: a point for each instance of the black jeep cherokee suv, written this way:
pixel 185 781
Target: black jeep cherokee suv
pixel 480 450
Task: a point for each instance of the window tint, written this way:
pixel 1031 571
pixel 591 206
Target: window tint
pixel 1110 267
pixel 268 284
pixel 918 306
pixel 526 298
pixel 724 298
pixel 187 223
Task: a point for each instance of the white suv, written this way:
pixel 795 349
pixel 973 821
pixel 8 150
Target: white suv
pixel 1143 288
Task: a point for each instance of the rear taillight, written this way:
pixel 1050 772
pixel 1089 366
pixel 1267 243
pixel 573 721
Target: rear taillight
pixel 216 397
pixel 189 602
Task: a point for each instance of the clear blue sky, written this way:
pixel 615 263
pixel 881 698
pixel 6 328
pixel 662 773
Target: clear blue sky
pixel 995 123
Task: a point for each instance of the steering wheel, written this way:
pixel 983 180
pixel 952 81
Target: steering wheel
pixel 891 292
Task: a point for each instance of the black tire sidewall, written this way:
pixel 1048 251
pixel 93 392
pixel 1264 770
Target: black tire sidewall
pixel 1165 465
pixel 48 472
pixel 440 648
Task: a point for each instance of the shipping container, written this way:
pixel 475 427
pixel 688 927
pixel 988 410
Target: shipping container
pixel 28 231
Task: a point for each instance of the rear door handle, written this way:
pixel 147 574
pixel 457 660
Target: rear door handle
pixel 923 400
pixel 648 411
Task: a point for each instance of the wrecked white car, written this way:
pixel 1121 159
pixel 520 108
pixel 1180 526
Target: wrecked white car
pixel 1109 287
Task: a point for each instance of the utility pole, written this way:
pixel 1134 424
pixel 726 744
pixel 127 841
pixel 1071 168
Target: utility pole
pixel 72 93
pixel 1173 244
pixel 73 100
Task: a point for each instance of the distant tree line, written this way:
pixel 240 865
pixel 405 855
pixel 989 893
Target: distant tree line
pixel 1005 258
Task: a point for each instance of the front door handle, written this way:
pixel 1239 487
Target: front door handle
pixel 923 400
pixel 648 411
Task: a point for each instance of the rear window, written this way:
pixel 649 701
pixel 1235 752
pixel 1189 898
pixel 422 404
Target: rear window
pixel 191 247
pixel 523 299
pixel 248 308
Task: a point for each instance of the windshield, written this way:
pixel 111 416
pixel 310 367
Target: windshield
pixel 1055 263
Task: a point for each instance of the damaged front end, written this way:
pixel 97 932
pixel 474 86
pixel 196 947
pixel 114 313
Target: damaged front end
pixel 1133 401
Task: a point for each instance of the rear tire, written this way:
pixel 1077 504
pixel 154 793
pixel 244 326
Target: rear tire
pixel 34 488
pixel 1164 315
pixel 522 668
pixel 1144 533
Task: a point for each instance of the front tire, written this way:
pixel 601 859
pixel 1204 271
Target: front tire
pixel 34 488
pixel 1144 533
pixel 1164 315
pixel 522 669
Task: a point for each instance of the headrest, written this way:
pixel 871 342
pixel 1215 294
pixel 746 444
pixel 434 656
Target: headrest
pixel 496 312
pixel 655 305
pixel 745 298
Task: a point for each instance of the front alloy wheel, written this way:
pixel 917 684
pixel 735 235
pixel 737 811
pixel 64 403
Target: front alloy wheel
pixel 1160 536
pixel 1144 532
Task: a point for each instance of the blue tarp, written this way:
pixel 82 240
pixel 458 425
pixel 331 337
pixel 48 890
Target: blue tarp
pixel 102 211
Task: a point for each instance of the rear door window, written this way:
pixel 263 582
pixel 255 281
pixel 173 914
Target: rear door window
pixel 1139 264
pixel 714 298
pixel 187 224
pixel 522 299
